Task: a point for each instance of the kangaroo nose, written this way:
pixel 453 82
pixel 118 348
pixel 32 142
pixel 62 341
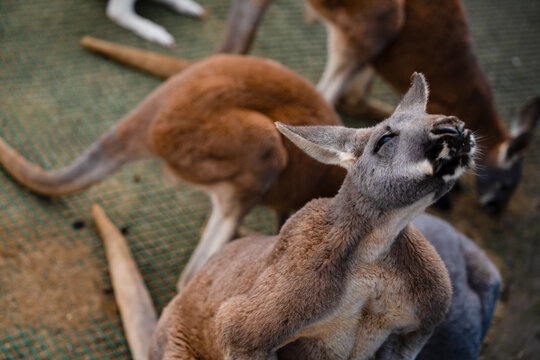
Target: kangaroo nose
pixel 449 126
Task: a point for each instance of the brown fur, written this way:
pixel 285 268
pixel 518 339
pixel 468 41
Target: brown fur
pixel 246 16
pixel 397 37
pixel 392 36
pixel 310 291
pixel 214 141
pixel 279 278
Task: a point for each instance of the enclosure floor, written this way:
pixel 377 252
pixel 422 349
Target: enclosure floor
pixel 56 99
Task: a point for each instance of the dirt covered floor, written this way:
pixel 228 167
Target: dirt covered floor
pixel 56 99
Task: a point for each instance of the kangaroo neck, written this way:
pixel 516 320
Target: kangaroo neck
pixel 363 229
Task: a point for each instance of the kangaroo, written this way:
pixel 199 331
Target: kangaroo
pixel 212 126
pixel 123 13
pixel 475 283
pixel 395 38
pixel 347 277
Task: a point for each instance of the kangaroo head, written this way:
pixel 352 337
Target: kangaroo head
pixel 400 161
pixel 497 182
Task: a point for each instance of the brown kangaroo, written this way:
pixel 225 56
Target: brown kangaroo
pixel 394 38
pixel 475 288
pixel 213 126
pixel 346 278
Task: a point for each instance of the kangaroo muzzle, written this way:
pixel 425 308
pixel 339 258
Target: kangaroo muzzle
pixel 451 149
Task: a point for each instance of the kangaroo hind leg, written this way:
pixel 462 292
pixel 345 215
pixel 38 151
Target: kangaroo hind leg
pixel 227 214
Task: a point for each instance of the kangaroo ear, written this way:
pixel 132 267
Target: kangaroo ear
pixel 333 145
pixel 415 100
pixel 523 129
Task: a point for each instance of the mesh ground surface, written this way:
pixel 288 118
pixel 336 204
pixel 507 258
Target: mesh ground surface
pixel 56 99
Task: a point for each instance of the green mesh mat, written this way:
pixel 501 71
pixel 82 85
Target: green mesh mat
pixel 56 99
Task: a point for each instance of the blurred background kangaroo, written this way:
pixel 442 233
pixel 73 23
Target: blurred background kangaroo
pixel 394 38
pixel 212 126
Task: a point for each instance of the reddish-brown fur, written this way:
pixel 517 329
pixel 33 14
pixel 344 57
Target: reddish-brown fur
pixel 225 122
pixel 399 37
pixel 141 59
pixel 427 36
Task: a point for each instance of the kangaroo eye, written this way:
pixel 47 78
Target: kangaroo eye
pixel 383 140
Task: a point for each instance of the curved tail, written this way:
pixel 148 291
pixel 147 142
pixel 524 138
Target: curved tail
pixel 155 64
pixel 484 278
pixel 134 302
pixel 101 159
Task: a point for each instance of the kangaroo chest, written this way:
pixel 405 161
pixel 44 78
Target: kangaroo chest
pixel 376 303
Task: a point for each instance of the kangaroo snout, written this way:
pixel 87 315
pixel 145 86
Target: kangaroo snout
pixel 452 148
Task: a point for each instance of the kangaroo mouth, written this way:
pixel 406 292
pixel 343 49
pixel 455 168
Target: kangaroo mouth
pixel 451 154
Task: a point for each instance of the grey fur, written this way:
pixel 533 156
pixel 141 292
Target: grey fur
pixel 415 100
pixel 475 285
pixel 327 144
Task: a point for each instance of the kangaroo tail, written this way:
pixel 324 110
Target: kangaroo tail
pixel 155 64
pixel 134 302
pixel 101 159
pixel 484 279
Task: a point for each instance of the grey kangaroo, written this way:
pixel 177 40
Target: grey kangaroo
pixel 347 277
